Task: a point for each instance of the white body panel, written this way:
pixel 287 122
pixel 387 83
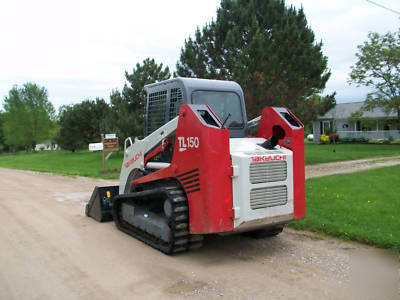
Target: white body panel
pixel 249 214
pixel 135 152
pixel 266 205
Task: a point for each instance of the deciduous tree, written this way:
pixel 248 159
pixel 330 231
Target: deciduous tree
pixel 378 67
pixel 28 116
pixel 80 124
pixel 3 145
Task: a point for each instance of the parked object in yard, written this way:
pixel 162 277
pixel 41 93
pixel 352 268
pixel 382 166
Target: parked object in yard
pixel 198 172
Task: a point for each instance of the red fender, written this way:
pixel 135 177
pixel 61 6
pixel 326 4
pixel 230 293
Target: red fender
pixel 201 163
pixel 291 137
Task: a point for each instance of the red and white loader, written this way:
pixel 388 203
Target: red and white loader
pixel 198 171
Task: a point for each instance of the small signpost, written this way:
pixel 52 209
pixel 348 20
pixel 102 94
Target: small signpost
pixel 93 147
pixel 109 143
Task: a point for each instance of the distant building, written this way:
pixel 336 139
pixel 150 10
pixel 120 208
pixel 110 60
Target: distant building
pixel 380 125
pixel 46 145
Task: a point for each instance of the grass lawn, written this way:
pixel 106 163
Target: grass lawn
pixel 316 154
pixel 363 206
pixel 83 163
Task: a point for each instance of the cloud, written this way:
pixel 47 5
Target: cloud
pixel 342 25
pixel 81 49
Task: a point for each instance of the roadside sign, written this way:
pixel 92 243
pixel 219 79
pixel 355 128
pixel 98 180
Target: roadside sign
pixel 110 144
pixel 110 136
pixel 96 147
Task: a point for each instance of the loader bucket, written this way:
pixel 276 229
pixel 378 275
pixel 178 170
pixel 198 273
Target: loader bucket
pixel 99 206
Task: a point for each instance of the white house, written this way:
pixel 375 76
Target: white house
pixel 46 145
pixel 380 124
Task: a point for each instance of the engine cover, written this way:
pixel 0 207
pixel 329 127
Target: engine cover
pixel 262 184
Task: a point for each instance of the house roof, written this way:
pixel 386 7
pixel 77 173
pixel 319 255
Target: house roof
pixel 344 110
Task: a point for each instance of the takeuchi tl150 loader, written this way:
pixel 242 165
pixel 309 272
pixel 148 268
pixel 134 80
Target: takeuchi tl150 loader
pixel 199 171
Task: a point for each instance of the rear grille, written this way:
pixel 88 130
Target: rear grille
pixel 268 197
pixel 268 171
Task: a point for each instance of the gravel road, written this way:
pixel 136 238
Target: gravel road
pixel 351 166
pixel 50 250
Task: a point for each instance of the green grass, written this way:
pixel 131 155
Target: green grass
pixel 316 154
pixel 83 163
pixel 363 206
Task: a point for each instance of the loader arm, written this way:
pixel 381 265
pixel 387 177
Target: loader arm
pixel 135 153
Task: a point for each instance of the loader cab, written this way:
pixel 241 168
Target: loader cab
pixel 224 97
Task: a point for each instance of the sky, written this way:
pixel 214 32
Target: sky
pixel 81 49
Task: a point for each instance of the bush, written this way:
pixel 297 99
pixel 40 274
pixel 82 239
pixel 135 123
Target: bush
pixel 348 140
pixel 334 137
pixel 374 141
pixel 344 140
pixel 389 141
pixel 324 139
pixel 307 131
pixel 395 142
pixel 384 142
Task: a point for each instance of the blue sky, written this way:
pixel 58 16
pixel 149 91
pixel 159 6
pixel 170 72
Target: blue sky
pixel 81 49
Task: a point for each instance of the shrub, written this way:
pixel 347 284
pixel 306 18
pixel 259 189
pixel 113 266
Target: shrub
pixel 324 139
pixel 374 141
pixel 307 131
pixel 334 137
pixel 344 140
pixel 348 140
pixel 395 142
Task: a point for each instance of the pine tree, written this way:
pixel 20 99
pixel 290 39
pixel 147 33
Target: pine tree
pixel 263 45
pixel 133 93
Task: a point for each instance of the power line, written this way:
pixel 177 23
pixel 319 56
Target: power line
pixel 384 7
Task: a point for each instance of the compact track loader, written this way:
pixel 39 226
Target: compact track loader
pixel 199 171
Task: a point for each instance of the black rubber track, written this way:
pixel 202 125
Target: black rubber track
pixel 179 239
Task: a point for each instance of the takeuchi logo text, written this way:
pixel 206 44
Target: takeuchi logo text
pixel 133 160
pixel 268 158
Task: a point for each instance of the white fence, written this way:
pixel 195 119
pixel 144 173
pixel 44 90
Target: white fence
pixel 376 135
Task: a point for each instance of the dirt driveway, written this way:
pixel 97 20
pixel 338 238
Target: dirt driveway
pixel 351 166
pixel 50 250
